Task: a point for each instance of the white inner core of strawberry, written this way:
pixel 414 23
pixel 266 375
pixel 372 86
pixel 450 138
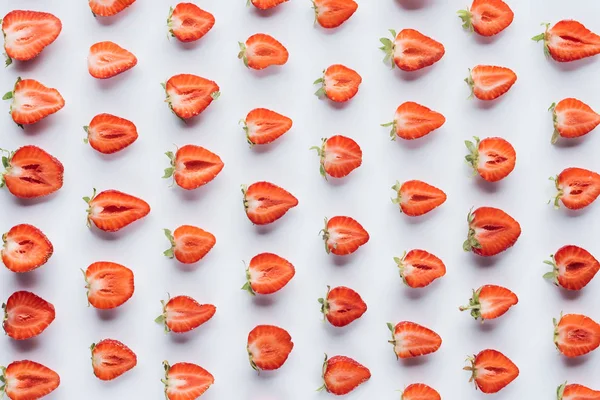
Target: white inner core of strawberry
pixel 15 171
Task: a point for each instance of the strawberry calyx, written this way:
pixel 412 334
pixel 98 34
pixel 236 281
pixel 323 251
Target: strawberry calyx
pixel 11 95
pixel 324 303
pixel 543 36
pixel 246 129
pixel 89 210
pixel 169 101
pixel 393 341
pixel 556 333
pixel 321 91
pixel 393 130
pixel 400 262
pixel 170 171
pixel 555 134
pixel 469 80
pixel 87 286
pixel 473 158
pixel 388 48
pixel 6 158
pixel 165 381
pixel 552 275
pixel 3 382
pixel 162 318
pixel 170 24
pixel 467 19
pixel 471 242
pixel 321 152
pixel 472 368
pixel 86 140
pixel 398 199
pixel 324 370
pixel 245 201
pixel 169 252
pixel 560 192
pixel 560 391
pixel 474 305
pixel 248 285
pixel 252 363
pixel 325 235
pixel 242 55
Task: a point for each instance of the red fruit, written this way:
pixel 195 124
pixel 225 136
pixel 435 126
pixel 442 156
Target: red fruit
pixel 339 155
pixel 27 380
pixel 490 301
pixel 413 340
pixel 106 8
pixel 413 121
pixel 333 13
pixel 411 50
pixel 108 59
pixel 491 371
pixel 108 284
pixel 189 244
pixel 343 235
pixel 188 95
pixel 576 392
pixel 341 375
pixel 572 118
pixel 268 273
pixel 487 17
pixel 112 210
pixel 572 267
pixel 268 347
pixel 417 198
pixel 261 51
pixel 266 4
pixel 492 158
pixel 31 172
pixel 577 188
pixel 265 202
pixel 32 101
pixel 264 126
pixel 108 133
pixel 488 82
pixel 491 231
pixel 193 166
pixel 419 268
pixel 182 314
pixel 27 33
pixel 25 248
pixel 186 381
pixel 111 359
pixel 569 40
pixel 188 22
pixel 339 83
pixel 420 391
pixel 576 335
pixel 342 306
pixel 26 315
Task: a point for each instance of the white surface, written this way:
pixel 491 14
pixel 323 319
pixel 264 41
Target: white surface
pixel 524 334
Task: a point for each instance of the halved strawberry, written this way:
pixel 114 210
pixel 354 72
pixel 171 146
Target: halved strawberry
pixel 266 203
pixel 188 22
pixel 189 244
pixel 572 118
pixel 492 158
pixel 413 121
pixel 186 381
pixel 490 301
pixel 182 314
pixel 416 198
pixel 108 59
pixel 487 17
pixel 420 391
pixel 193 166
pixel 343 235
pixel 574 391
pixel 188 95
pixel 31 172
pixel 572 267
pixel 569 40
pixel 413 340
pixel 26 315
pixel 341 375
pixel 339 83
pixel 32 101
pixel 577 188
pixel 576 335
pixel 27 33
pixel 339 156
pixel 342 305
pixel 268 347
pixel 112 210
pixel 491 371
pixel 411 50
pixel 418 268
pixel 264 126
pixel 106 8
pixel 333 13
pixel 491 231
pixel 111 359
pixel 268 273
pixel 108 133
pixel 27 380
pixel 108 284
pixel 265 4
pixel 488 82
pixel 25 248
pixel 261 51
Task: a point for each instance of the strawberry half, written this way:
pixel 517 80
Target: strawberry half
pixel 267 274
pixel 108 133
pixel 492 158
pixel 413 121
pixel 266 203
pixel 569 40
pixel 341 306
pixel 491 231
pixel 487 17
pixel 26 315
pixel 343 235
pixel 264 126
pixel 576 335
pixel 419 268
pixel 186 381
pixel 490 301
pixel 572 267
pixel 265 4
pixel 339 156
pixel 32 101
pixel 108 59
pixel 25 248
pixel 189 244
pixel 411 50
pixel 576 392
pixel 577 188
pixel 333 13
pixel 30 172
pixel 188 22
pixel 417 198
pixel 488 82
pixel 107 8
pixel 27 33
pixel 339 83
pixel 261 51
pixel 268 347
pixel 27 380
pixel 572 118
pixel 193 166
pixel 413 340
pixel 341 375
pixel 111 359
pixel 188 95
pixel 108 284
pixel 491 371
pixel 420 391
pixel 112 210
pixel 183 314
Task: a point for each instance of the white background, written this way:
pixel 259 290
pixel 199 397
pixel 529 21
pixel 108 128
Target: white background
pixel 524 334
